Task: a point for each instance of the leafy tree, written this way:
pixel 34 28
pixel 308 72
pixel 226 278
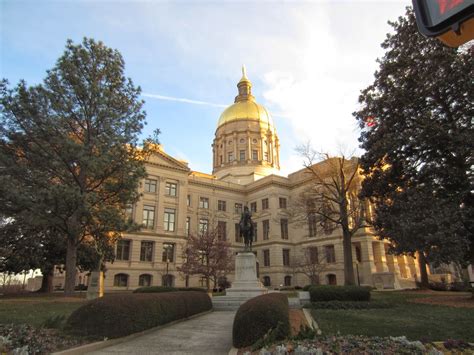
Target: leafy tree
pixel 207 254
pixel 68 149
pixel 331 198
pixel 416 121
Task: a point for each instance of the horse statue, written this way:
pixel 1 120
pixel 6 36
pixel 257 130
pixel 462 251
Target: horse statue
pixel 246 229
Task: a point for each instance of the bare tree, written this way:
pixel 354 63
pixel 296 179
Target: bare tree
pixel 311 264
pixel 331 198
pixel 208 254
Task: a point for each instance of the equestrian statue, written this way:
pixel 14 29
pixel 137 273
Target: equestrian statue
pixel 246 228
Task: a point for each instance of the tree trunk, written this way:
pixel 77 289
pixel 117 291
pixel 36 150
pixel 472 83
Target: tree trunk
pixel 349 279
pixel 424 283
pixel 47 281
pixel 71 263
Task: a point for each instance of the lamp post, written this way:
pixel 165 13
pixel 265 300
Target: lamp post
pixel 167 272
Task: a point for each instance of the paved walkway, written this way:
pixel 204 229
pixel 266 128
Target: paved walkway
pixel 207 334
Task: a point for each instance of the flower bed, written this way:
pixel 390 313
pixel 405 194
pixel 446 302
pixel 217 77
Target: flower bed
pixel 356 345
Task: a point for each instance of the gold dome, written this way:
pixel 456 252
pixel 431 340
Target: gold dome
pixel 245 107
pixel 246 110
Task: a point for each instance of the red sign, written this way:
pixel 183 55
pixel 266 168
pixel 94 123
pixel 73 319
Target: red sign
pixel 445 5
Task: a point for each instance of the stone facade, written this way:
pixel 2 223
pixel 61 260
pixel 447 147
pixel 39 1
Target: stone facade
pixel 175 200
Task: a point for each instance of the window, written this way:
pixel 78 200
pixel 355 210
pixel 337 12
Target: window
pixel 146 251
pixel 282 201
pixel 169 219
pixel 203 226
pixel 220 159
pixel 203 202
pixel 144 280
pixel 266 229
pixel 265 204
pixel 313 255
pixel 330 254
pixel 267 281
pixel 265 156
pixel 171 188
pixel 254 155
pixel 255 231
pixel 242 155
pixel 237 233
pixel 129 212
pixel 168 252
pixel 121 280
pixel 167 280
pixel 331 279
pixel 287 280
pixel 266 257
pixel 150 185
pixel 358 253
pixel 238 208
pixel 230 157
pixel 286 257
pixel 312 225
pixel 221 205
pixel 253 207
pixel 123 250
pixel 188 200
pixel 148 216
pixel 188 226
pixel 284 228
pixel 221 230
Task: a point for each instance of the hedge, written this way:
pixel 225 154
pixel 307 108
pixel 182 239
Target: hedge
pixel 118 315
pixel 336 305
pixel 257 316
pixel 339 293
pixel 159 289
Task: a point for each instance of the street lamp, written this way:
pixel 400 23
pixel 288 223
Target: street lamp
pixel 167 272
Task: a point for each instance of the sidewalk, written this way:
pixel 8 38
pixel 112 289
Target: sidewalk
pixel 207 334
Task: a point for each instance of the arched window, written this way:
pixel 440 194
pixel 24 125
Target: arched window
pixel 121 280
pixel 144 280
pixel 267 281
pixel 331 279
pixel 167 280
pixel 287 280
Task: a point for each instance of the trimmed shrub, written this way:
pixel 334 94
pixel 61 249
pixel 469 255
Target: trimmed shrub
pixel 339 293
pixel 335 305
pixel 118 315
pixel 307 287
pixel 159 289
pixel 258 316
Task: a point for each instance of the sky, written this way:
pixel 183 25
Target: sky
pixel 307 61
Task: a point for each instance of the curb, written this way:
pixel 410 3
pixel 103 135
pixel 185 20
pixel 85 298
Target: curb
pixel 98 345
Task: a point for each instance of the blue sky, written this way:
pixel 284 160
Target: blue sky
pixel 307 61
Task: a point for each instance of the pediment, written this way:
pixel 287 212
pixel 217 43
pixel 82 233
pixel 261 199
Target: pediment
pixel 160 158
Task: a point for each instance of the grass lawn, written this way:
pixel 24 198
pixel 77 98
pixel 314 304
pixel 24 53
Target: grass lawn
pixel 36 310
pixel 415 321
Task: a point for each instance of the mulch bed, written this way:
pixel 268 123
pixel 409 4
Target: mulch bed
pixel 458 301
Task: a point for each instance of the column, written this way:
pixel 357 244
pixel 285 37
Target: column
pixel 379 257
pixel 367 266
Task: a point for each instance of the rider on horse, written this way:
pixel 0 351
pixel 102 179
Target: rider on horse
pixel 246 228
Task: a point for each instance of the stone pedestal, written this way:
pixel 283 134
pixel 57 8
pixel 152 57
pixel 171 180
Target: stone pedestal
pixel 95 288
pixel 245 286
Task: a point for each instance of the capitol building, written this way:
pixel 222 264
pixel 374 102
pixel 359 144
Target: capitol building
pixel 177 201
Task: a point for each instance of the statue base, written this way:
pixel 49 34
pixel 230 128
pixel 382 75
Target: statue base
pixel 245 286
pixel 95 288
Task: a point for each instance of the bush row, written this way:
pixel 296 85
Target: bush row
pixel 159 289
pixel 118 315
pixel 339 293
pixel 348 305
pixel 453 286
pixel 258 316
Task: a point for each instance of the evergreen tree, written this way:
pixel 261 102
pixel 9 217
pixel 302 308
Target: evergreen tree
pixel 417 131
pixel 68 149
